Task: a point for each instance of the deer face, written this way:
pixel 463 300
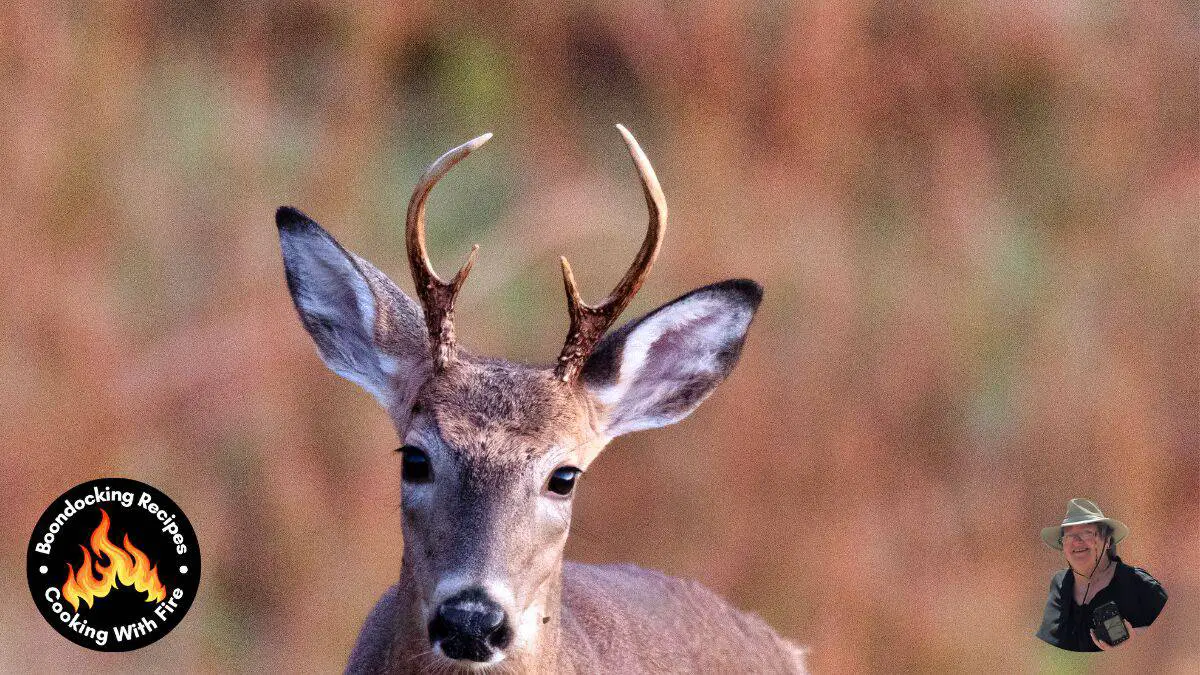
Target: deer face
pixel 492 449
pixel 489 467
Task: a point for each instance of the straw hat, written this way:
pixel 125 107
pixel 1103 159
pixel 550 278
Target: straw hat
pixel 1081 512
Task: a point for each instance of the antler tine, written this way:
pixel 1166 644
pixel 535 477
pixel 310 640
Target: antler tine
pixel 436 296
pixel 589 322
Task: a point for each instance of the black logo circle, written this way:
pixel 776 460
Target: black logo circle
pixel 113 564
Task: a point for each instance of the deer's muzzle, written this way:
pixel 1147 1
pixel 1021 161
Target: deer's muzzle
pixel 470 626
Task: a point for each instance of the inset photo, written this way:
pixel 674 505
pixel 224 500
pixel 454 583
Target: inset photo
pixel 1099 602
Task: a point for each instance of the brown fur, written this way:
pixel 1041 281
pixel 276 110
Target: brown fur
pixel 618 619
pixel 624 619
pixel 489 405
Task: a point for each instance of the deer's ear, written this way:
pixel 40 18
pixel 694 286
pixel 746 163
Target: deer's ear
pixel 366 329
pixel 654 371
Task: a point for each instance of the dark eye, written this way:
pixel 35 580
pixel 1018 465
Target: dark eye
pixel 415 466
pixel 562 481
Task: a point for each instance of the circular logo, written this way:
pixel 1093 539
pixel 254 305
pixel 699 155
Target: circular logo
pixel 113 564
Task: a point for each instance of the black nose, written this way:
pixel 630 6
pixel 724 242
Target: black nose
pixel 470 626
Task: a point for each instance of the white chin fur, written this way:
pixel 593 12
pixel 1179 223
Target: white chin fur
pixel 497 656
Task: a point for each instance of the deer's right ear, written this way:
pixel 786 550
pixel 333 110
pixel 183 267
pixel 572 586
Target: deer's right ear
pixel 366 329
pixel 654 371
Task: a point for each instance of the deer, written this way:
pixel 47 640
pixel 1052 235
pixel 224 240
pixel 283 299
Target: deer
pixel 492 451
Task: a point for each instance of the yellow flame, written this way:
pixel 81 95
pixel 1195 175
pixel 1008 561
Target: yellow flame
pixel 128 565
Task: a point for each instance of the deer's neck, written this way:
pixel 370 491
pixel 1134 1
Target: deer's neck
pixel 540 645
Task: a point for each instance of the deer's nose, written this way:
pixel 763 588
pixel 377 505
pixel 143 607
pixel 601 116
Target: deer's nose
pixel 470 626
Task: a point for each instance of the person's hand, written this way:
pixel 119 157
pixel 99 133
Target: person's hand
pixel 1104 646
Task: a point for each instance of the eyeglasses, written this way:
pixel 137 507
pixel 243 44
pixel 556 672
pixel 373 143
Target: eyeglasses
pixel 1086 535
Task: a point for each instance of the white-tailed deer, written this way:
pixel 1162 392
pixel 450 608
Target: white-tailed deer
pixel 492 451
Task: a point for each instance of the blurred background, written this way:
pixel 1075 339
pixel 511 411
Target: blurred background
pixel 978 226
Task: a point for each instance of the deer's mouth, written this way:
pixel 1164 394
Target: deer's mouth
pixel 468 649
pixel 473 654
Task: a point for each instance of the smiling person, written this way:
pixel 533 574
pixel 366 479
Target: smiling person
pixel 1079 613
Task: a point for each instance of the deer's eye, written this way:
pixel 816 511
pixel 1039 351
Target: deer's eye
pixel 562 481
pixel 415 466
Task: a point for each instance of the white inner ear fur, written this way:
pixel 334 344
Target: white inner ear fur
pixel 708 323
pixel 324 273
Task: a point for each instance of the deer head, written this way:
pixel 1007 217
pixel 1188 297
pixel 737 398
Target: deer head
pixel 492 449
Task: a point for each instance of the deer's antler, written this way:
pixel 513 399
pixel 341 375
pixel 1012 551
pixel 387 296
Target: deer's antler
pixel 589 322
pixel 436 296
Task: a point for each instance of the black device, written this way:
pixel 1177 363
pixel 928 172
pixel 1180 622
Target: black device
pixel 1109 625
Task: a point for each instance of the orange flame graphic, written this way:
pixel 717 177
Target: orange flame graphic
pixel 128 564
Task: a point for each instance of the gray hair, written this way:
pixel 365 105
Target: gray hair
pixel 1106 531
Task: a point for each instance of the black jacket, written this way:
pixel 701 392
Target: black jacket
pixel 1065 624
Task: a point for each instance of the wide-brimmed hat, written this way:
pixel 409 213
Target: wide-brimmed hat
pixel 1081 512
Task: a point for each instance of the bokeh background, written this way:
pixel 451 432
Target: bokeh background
pixel 978 225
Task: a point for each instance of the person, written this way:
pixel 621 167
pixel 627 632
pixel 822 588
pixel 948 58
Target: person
pixel 1095 576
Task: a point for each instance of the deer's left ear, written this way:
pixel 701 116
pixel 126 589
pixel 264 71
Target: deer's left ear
pixel 366 329
pixel 656 370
